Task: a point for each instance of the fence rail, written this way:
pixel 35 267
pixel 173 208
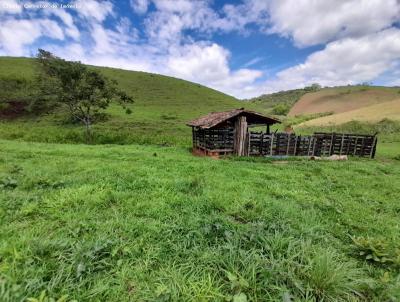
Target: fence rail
pixel 288 144
pixel 319 144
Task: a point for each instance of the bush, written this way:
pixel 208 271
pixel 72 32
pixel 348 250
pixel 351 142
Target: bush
pixel 281 109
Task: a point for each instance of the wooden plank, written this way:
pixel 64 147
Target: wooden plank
pixel 271 144
pixel 362 147
pixel 240 136
pixel 374 146
pixel 355 146
pixel 247 144
pixel 315 142
pixel 295 145
pixel 288 144
pixel 309 145
pixel 341 145
pixel 331 147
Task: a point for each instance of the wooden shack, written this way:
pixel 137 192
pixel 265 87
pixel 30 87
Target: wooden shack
pixel 227 132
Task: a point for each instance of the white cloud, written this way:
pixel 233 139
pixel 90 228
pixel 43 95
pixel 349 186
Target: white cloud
pixel 70 28
pixel 15 34
pixel 140 6
pixel 208 64
pixel 94 10
pixel 346 61
pixel 10 7
pixel 167 24
pixel 311 22
pixel 253 62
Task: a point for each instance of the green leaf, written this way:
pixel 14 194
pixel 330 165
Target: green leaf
pixel 231 277
pixel 286 297
pixel 243 283
pixel 241 297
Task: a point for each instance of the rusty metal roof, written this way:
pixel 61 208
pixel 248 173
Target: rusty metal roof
pixel 214 118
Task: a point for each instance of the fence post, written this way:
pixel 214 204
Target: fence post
pixel 309 144
pixel 296 138
pixel 288 145
pixel 373 148
pixel 355 146
pixel 341 145
pixel 331 149
pixel 271 144
pixel 362 147
pixel 315 142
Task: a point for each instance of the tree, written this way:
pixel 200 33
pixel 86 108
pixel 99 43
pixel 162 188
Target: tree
pixel 83 91
pixel 281 109
pixel 313 87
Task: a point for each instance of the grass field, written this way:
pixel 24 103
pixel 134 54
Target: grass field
pixel 147 223
pixel 342 99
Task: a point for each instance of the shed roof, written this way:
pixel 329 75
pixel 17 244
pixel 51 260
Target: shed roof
pixel 215 118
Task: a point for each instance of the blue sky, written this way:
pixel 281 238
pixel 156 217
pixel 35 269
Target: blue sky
pixel 244 48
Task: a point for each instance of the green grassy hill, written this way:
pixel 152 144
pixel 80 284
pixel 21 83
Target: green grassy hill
pixel 284 99
pixel 162 107
pixel 314 101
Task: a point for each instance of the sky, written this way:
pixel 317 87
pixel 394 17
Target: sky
pixel 244 48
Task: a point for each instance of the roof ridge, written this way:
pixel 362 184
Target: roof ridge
pixel 214 118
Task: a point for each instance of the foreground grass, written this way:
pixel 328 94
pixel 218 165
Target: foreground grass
pixel 138 223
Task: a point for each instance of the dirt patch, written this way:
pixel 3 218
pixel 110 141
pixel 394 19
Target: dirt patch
pixel 199 152
pixel 12 110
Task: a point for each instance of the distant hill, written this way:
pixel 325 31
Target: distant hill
pixel 343 99
pixel 280 102
pixel 270 100
pixel 373 114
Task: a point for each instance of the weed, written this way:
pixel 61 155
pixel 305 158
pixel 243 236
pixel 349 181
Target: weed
pixel 375 250
pixel 8 183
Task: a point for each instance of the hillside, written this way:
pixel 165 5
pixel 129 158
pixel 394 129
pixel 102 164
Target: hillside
pixel 162 107
pixel 342 99
pixel 289 97
pixel 373 113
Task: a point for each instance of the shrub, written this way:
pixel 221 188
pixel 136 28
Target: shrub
pixel 281 109
pixel 374 250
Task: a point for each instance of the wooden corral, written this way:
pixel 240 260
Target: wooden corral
pixel 223 133
pixel 318 144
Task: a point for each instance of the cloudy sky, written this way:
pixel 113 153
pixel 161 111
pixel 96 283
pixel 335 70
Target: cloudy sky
pixel 243 48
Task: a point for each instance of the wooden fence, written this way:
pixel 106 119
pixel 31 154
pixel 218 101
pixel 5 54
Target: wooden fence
pixel 319 144
pixel 216 140
pixel 285 144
